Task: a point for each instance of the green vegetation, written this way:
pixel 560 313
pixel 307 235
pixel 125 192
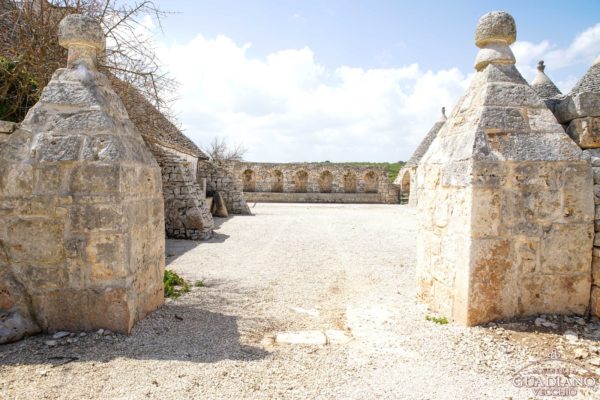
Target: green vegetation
pixel 199 284
pixel 175 285
pixel 437 320
pixel 18 91
pixel 393 168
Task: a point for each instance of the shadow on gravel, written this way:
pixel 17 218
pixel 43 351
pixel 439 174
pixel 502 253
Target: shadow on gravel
pixel 174 333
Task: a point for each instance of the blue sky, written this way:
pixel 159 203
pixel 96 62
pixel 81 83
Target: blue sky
pixel 347 81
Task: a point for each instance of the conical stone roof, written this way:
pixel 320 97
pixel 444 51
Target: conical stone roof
pixel 543 85
pixel 590 82
pixel 427 140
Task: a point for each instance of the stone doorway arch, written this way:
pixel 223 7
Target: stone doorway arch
pixel 301 181
pixel 349 182
pixel 277 181
pixel 325 182
pixel 249 180
pixel 405 187
pixel 371 182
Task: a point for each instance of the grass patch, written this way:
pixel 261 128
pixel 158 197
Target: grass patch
pixel 175 285
pixel 437 320
pixel 199 284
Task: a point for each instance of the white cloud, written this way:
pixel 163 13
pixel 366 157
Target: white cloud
pixel 288 107
pixel 581 51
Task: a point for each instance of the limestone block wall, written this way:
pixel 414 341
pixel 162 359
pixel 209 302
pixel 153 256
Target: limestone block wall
pixel 505 208
pixel 81 207
pixel 579 112
pixel 303 178
pixel 220 179
pixel 593 155
pixel 6 128
pixel 187 215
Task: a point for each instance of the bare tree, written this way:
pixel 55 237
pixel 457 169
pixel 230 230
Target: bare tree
pixel 220 152
pixel 29 44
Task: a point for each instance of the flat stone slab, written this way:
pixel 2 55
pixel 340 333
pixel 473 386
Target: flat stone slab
pixel 315 338
pixel 337 337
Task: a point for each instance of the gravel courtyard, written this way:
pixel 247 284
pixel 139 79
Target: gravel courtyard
pixel 343 272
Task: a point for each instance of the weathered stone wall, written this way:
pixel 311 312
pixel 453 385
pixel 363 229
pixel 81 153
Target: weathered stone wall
pixel 6 128
pixel 220 179
pixel 279 197
pixel 506 208
pixel 593 155
pixel 81 207
pixel 579 112
pixel 186 211
pixel 298 179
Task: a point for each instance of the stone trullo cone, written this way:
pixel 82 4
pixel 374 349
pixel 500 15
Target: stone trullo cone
pixel 81 206
pixel 505 206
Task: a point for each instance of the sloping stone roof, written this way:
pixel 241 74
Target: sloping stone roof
pixel 151 123
pixel 543 85
pixel 590 82
pixel 426 142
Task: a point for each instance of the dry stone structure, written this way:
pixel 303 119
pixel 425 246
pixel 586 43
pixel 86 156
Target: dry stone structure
pixel 315 183
pixel 506 205
pixel 81 207
pixel 406 179
pixel 220 179
pixel 6 128
pixel 187 215
pixel 579 112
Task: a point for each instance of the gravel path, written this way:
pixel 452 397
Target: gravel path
pixel 348 268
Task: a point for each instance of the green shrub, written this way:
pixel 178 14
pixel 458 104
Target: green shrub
pixel 18 91
pixel 175 285
pixel 437 320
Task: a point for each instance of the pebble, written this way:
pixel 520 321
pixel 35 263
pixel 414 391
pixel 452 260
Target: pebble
pixel 82 334
pixel 51 343
pixel 581 353
pixel 580 321
pixel 60 335
pixel 571 336
pixel 100 331
pixel 548 324
pixel 595 361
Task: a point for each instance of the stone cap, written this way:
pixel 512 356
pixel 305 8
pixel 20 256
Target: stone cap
pixel 81 30
pixel 494 33
pixel 495 26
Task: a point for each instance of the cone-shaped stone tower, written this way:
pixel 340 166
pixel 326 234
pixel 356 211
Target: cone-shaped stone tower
pixel 81 207
pixel 406 178
pixel 506 206
pixel 542 84
pixel 579 111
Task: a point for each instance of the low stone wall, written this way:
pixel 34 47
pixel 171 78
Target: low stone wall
pixel 265 197
pixel 187 215
pixel 220 179
pixel 301 182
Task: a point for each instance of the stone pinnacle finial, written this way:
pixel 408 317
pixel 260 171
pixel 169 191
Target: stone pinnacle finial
pixel 83 37
pixel 443 113
pixel 495 32
pixel 541 67
pixel 597 60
